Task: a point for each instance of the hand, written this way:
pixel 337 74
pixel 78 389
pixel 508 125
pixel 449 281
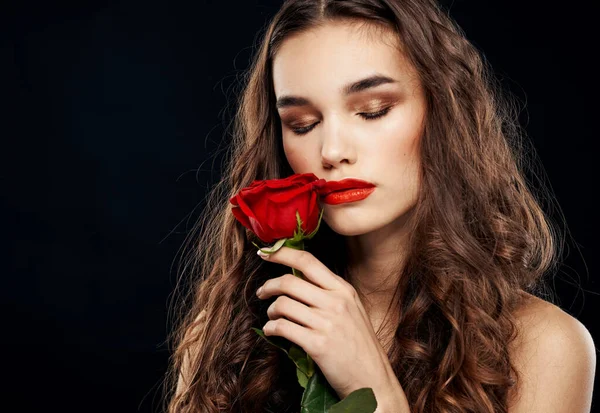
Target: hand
pixel 327 319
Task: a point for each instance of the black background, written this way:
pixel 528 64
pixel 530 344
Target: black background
pixel 112 117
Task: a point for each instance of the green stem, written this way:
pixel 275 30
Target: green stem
pixel 298 273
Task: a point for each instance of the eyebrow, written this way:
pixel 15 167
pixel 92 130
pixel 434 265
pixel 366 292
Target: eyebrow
pixel 346 90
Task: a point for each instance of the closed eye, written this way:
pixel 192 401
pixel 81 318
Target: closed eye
pixel 364 115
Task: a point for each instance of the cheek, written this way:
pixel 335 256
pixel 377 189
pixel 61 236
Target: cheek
pixel 398 150
pixel 401 135
pixel 296 156
pixel 409 153
pixel 397 156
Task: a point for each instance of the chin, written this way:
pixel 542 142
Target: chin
pixel 347 228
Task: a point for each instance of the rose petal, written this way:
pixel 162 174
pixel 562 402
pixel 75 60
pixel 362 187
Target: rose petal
pixel 286 196
pixel 258 230
pixel 245 208
pixel 240 216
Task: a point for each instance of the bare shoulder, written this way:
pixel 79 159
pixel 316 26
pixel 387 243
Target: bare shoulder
pixel 541 321
pixel 555 356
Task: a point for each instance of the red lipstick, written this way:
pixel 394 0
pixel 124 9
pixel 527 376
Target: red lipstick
pixel 346 190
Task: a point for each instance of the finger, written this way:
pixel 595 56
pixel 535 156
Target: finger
pixel 302 336
pixel 313 269
pixel 294 311
pixel 296 288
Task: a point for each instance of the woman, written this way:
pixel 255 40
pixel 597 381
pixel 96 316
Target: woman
pixel 445 258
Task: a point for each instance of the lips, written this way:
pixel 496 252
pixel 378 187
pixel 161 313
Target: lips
pixel 343 185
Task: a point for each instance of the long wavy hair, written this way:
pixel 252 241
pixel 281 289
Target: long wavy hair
pixel 480 236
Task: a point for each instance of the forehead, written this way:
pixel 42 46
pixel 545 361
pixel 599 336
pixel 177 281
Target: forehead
pixel 323 59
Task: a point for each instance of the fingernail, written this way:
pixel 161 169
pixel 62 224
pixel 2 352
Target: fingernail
pixel 262 254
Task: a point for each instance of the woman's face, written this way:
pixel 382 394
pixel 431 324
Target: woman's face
pixel 325 125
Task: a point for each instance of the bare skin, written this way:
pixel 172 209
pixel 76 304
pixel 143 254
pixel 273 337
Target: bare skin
pixel 555 356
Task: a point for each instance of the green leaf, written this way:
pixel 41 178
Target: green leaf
pixel 302 378
pixel 318 395
pixel 274 248
pixel 359 401
pixel 307 365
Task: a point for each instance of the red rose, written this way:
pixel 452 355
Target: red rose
pixel 268 207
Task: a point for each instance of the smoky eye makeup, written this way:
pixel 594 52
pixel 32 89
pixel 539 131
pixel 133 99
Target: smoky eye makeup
pixel 365 115
pixel 369 105
pixel 373 106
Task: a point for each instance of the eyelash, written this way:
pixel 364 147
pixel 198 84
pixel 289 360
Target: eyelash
pixel 364 115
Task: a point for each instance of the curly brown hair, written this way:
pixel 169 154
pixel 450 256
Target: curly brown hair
pixel 480 237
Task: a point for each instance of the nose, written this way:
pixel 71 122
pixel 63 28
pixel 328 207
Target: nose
pixel 337 146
